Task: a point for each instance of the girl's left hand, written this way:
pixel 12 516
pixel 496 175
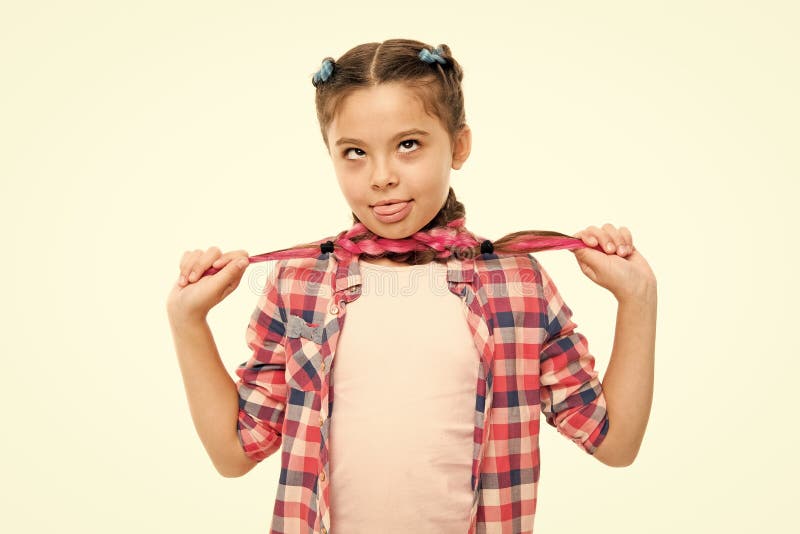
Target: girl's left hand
pixel 620 269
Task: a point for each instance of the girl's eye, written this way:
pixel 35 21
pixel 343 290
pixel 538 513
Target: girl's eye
pixel 412 141
pixel 408 144
pixel 347 152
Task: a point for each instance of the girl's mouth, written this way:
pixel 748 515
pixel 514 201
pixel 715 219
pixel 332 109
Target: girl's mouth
pixel 390 213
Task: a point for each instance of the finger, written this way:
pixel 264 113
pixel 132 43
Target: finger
pixel 604 241
pixel 242 255
pixel 592 237
pixel 181 279
pixel 200 263
pixel 189 259
pixel 596 233
pixel 627 237
pixel 614 239
pixel 204 262
pixel 233 271
pixel 587 236
pixel 621 240
pixel 236 278
pixel 223 260
pixel 238 264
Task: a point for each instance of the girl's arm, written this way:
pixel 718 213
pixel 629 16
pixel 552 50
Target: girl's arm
pixel 212 394
pixel 628 381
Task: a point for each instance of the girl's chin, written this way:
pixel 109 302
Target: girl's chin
pixel 397 230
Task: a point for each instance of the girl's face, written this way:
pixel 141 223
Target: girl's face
pixel 385 147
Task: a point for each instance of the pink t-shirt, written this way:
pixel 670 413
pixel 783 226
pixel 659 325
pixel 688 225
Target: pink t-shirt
pixel 412 428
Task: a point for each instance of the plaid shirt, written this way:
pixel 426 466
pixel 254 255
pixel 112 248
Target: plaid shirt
pixel 532 362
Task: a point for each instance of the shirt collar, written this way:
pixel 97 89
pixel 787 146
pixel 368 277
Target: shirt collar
pixel 348 273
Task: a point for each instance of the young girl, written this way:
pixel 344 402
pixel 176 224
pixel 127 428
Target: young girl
pixel 440 382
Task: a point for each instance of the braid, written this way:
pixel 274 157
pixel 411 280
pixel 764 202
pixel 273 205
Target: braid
pixel 440 242
pixel 444 237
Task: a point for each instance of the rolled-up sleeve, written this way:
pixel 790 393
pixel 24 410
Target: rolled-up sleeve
pixel 571 392
pixel 262 381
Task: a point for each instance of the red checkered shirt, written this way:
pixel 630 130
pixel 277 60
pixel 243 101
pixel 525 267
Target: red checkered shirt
pixel 533 362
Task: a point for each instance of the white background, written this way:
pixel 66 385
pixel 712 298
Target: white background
pixel 133 131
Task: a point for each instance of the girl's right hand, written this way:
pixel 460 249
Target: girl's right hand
pixel 193 295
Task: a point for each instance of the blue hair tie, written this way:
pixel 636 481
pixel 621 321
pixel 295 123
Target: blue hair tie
pixel 324 72
pixel 429 57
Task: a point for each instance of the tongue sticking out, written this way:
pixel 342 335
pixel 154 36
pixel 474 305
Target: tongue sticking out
pixel 389 209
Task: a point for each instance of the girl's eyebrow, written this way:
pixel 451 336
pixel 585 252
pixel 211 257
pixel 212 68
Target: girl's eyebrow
pixel 415 131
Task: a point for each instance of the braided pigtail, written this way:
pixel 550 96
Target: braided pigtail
pixel 437 244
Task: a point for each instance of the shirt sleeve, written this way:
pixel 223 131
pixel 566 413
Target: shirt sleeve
pixel 571 393
pixel 262 380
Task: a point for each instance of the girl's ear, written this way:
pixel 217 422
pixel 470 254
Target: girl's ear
pixel 462 147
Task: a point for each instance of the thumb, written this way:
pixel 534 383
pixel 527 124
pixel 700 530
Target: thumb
pixel 586 260
pixel 232 274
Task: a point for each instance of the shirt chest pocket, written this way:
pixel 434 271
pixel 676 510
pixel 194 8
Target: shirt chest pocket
pixel 304 362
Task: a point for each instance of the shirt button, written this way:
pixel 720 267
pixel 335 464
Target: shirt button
pixel 323 531
pixel 334 310
pixel 323 366
pixel 322 476
pixel 321 421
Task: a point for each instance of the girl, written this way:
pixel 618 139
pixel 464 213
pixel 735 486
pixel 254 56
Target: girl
pixel 438 394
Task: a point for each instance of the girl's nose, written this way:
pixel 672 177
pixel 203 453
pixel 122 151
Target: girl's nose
pixel 382 175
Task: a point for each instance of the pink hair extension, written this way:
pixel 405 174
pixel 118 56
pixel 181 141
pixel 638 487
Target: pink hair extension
pixel 451 240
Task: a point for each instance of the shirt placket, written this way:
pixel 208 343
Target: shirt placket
pixel 345 289
pixel 464 282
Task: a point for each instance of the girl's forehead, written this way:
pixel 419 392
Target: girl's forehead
pixel 384 106
pixel 390 98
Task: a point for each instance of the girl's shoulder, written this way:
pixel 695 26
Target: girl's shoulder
pixel 520 275
pixel 509 264
pixel 301 275
pixel 291 269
